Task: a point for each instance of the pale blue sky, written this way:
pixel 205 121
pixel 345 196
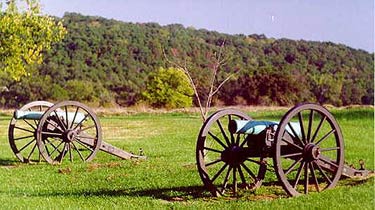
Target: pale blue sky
pixel 350 22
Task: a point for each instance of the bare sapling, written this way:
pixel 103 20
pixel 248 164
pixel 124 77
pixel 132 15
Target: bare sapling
pixel 215 61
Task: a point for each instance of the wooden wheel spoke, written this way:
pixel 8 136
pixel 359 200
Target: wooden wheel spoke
pixel 318 128
pixel 85 136
pixel 62 124
pixel 24 129
pixel 244 141
pixel 291 155
pixel 74 117
pixel 80 123
pixel 291 167
pixel 61 156
pixel 300 119
pixel 316 183
pixel 86 128
pixel 292 144
pixel 234 180
pixel 84 145
pixel 211 149
pixel 223 132
pixel 45 146
pixel 311 119
pixel 238 138
pixel 329 149
pixel 295 134
pixel 225 183
pixel 323 173
pixel 249 171
pixel 70 152
pixel 306 184
pixel 66 117
pixel 328 161
pixel 254 161
pixel 32 151
pixel 219 172
pixel 232 140
pixel 52 134
pixel 213 162
pixel 23 137
pixel 56 148
pixel 242 176
pixel 79 153
pixel 27 145
pixel 298 176
pixel 31 125
pixel 217 140
pixel 325 136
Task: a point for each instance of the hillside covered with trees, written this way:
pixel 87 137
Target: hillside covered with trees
pixel 109 62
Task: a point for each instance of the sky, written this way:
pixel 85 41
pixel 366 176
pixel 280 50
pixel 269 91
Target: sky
pixel 348 22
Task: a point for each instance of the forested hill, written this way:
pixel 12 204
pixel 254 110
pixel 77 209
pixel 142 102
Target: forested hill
pixel 108 61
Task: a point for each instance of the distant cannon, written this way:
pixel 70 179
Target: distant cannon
pixel 68 129
pixel 306 147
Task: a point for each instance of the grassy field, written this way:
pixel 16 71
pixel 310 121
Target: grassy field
pixel 169 179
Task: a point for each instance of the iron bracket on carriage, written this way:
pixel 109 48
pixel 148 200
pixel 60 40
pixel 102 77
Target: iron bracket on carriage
pixel 68 129
pixel 306 147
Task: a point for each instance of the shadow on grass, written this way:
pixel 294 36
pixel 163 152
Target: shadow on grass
pixel 268 191
pixel 168 194
pixel 356 181
pixel 9 162
pixel 176 194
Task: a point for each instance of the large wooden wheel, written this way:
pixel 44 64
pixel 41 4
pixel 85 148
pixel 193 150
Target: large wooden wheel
pixel 70 130
pixel 222 159
pixel 309 150
pixel 22 133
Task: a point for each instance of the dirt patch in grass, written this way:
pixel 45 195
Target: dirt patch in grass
pixel 95 166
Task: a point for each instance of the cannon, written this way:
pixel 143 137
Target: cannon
pixel 306 147
pixel 68 129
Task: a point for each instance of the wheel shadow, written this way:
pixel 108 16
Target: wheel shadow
pixel 167 194
pixel 9 162
pixel 268 191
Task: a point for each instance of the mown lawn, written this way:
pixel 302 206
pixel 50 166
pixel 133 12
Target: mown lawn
pixel 169 178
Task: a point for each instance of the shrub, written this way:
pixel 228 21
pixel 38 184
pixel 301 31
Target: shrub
pixel 168 88
pixel 80 90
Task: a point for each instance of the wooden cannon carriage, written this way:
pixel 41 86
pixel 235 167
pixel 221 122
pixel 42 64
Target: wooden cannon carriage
pixel 306 147
pixel 68 129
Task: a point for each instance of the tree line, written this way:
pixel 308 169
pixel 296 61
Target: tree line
pixel 108 62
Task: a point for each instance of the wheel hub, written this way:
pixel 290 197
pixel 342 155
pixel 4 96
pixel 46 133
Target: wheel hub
pixel 311 152
pixel 234 155
pixel 69 135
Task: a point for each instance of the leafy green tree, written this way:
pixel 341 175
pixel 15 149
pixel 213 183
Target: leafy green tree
pixel 168 88
pixel 25 33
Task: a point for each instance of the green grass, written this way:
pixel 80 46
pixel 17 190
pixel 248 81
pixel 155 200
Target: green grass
pixel 169 178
